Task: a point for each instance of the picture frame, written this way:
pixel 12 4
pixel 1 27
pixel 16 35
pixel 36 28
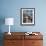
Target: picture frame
pixel 27 16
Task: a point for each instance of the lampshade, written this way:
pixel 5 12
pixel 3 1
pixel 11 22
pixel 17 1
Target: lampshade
pixel 9 21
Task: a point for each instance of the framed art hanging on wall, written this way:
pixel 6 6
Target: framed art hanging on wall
pixel 27 16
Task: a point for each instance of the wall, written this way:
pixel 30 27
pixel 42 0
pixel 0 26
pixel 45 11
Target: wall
pixel 11 8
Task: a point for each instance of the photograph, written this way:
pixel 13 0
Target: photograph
pixel 27 16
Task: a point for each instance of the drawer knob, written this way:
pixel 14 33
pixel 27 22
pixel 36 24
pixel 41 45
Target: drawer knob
pixel 33 42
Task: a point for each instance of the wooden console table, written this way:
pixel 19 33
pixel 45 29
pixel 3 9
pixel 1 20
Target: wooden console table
pixel 20 39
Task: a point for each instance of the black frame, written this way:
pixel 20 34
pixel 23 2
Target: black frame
pixel 30 14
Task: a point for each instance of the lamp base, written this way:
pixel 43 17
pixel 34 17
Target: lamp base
pixel 9 33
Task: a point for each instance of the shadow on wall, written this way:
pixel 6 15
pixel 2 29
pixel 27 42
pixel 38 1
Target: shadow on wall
pixel 2 21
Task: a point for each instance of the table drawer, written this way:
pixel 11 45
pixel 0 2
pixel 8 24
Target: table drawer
pixel 13 43
pixel 34 37
pixel 9 42
pixel 16 37
pixel 33 43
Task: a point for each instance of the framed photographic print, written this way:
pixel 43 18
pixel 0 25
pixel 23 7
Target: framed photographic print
pixel 27 16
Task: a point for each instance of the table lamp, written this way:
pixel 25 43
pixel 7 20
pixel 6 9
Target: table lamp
pixel 9 21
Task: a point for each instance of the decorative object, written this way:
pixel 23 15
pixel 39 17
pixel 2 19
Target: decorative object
pixel 9 21
pixel 27 16
pixel 30 33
